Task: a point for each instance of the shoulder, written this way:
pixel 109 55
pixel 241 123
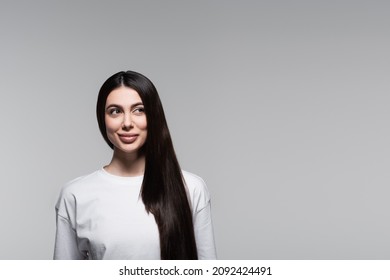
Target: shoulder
pixel 198 191
pixel 71 190
pixel 78 184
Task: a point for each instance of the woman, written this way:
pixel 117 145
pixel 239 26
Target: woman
pixel 141 205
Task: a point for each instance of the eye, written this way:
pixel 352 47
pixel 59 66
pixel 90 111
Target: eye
pixel 113 111
pixel 139 110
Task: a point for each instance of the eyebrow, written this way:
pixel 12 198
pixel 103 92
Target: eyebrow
pixel 119 106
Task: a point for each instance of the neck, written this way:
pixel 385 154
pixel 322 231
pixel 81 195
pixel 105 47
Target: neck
pixel 126 165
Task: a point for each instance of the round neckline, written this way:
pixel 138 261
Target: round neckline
pixel 125 179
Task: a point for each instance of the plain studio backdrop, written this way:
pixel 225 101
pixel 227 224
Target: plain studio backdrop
pixel 281 106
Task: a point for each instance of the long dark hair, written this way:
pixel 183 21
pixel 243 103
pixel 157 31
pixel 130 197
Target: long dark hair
pixel 163 191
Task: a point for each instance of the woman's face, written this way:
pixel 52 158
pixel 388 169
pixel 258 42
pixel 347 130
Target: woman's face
pixel 125 119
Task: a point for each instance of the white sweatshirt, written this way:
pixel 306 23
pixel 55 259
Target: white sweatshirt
pixel 101 216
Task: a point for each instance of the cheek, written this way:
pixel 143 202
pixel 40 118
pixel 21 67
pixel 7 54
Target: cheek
pixel 142 123
pixel 112 125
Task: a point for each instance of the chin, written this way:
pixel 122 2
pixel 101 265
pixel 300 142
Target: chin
pixel 127 149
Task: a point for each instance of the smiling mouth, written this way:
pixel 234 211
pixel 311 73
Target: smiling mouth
pixel 128 138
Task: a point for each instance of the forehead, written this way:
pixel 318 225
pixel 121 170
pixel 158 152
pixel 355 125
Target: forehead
pixel 123 96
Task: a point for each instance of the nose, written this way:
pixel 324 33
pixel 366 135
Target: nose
pixel 127 121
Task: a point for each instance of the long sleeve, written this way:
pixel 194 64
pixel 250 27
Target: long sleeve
pixel 66 245
pixel 204 234
pixel 201 215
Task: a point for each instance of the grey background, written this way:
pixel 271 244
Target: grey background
pixel 281 106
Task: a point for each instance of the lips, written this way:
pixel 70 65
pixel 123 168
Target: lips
pixel 128 138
